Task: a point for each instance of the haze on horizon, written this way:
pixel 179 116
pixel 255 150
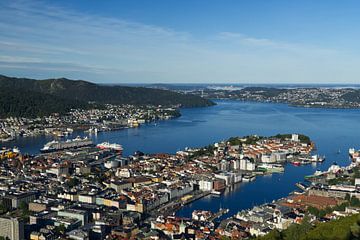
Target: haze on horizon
pixel 169 41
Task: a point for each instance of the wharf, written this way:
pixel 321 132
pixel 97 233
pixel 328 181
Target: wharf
pixel 221 212
pixel 174 205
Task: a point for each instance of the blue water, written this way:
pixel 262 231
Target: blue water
pixel 331 129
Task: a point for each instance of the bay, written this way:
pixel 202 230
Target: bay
pixel 331 129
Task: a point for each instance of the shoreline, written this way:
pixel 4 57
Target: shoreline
pixel 289 104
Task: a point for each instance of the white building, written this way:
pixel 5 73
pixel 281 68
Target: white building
pixel 295 137
pixel 247 165
pixel 11 228
pixel 206 185
pixel 357 181
pixel 235 164
pixel 278 157
pixel 229 179
pixel 87 198
pixel 178 191
pixel 123 172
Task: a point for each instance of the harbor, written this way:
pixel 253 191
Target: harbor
pixel 196 122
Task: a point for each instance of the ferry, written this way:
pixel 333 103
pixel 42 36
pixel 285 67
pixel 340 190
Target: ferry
pixel 107 145
pixel 77 142
pixel 271 167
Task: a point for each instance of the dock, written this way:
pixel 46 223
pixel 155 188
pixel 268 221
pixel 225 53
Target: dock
pixel 174 205
pixel 221 212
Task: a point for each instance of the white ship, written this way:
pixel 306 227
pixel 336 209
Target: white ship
pixel 61 145
pixel 317 158
pixel 113 146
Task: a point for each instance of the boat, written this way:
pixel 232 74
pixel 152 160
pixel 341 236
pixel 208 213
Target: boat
pixel 354 154
pixel 301 186
pixel 77 142
pixel 107 145
pixel 248 178
pixel 271 167
pixel 92 130
pixel 216 192
pixel 317 158
pixel 296 163
pixel 16 150
pixel 351 151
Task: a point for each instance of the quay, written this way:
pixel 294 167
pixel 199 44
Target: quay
pixel 175 205
pixel 221 212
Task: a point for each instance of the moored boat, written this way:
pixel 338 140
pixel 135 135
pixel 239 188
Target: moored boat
pixel 107 145
pixel 54 146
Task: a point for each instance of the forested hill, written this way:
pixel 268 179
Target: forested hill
pixel 19 95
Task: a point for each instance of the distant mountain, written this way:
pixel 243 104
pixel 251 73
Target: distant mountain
pixel 60 95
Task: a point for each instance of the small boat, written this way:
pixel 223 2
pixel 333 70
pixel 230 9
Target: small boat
pixel 296 163
pixel 248 178
pixel 216 192
pixel 317 158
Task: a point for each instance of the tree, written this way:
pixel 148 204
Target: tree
pixel 347 197
pixel 3 208
pixel 273 235
pixel 314 211
pixel 24 208
pixel 355 202
pixel 73 182
pixel 60 229
pixel 355 230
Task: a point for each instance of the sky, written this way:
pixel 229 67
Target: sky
pixel 182 41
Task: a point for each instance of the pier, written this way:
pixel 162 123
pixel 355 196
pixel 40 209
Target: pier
pixel 221 212
pixel 174 205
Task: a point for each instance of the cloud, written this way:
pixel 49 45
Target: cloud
pixel 37 36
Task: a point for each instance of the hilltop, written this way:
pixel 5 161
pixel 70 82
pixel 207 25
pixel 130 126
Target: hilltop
pixel 30 97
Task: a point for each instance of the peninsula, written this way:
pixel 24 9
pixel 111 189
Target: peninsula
pixel 58 106
pixel 314 97
pixel 75 184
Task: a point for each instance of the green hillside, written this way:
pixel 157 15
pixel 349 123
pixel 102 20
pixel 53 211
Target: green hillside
pixel 62 94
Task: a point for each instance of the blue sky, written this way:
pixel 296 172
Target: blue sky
pixel 187 41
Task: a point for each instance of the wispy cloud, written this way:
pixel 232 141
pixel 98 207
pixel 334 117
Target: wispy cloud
pixel 41 39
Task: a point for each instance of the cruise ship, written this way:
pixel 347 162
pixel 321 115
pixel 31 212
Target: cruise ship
pixel 107 145
pixel 77 142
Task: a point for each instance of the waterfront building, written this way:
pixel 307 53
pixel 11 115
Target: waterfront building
pixel 247 164
pixel 178 191
pixel 206 184
pixel 228 178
